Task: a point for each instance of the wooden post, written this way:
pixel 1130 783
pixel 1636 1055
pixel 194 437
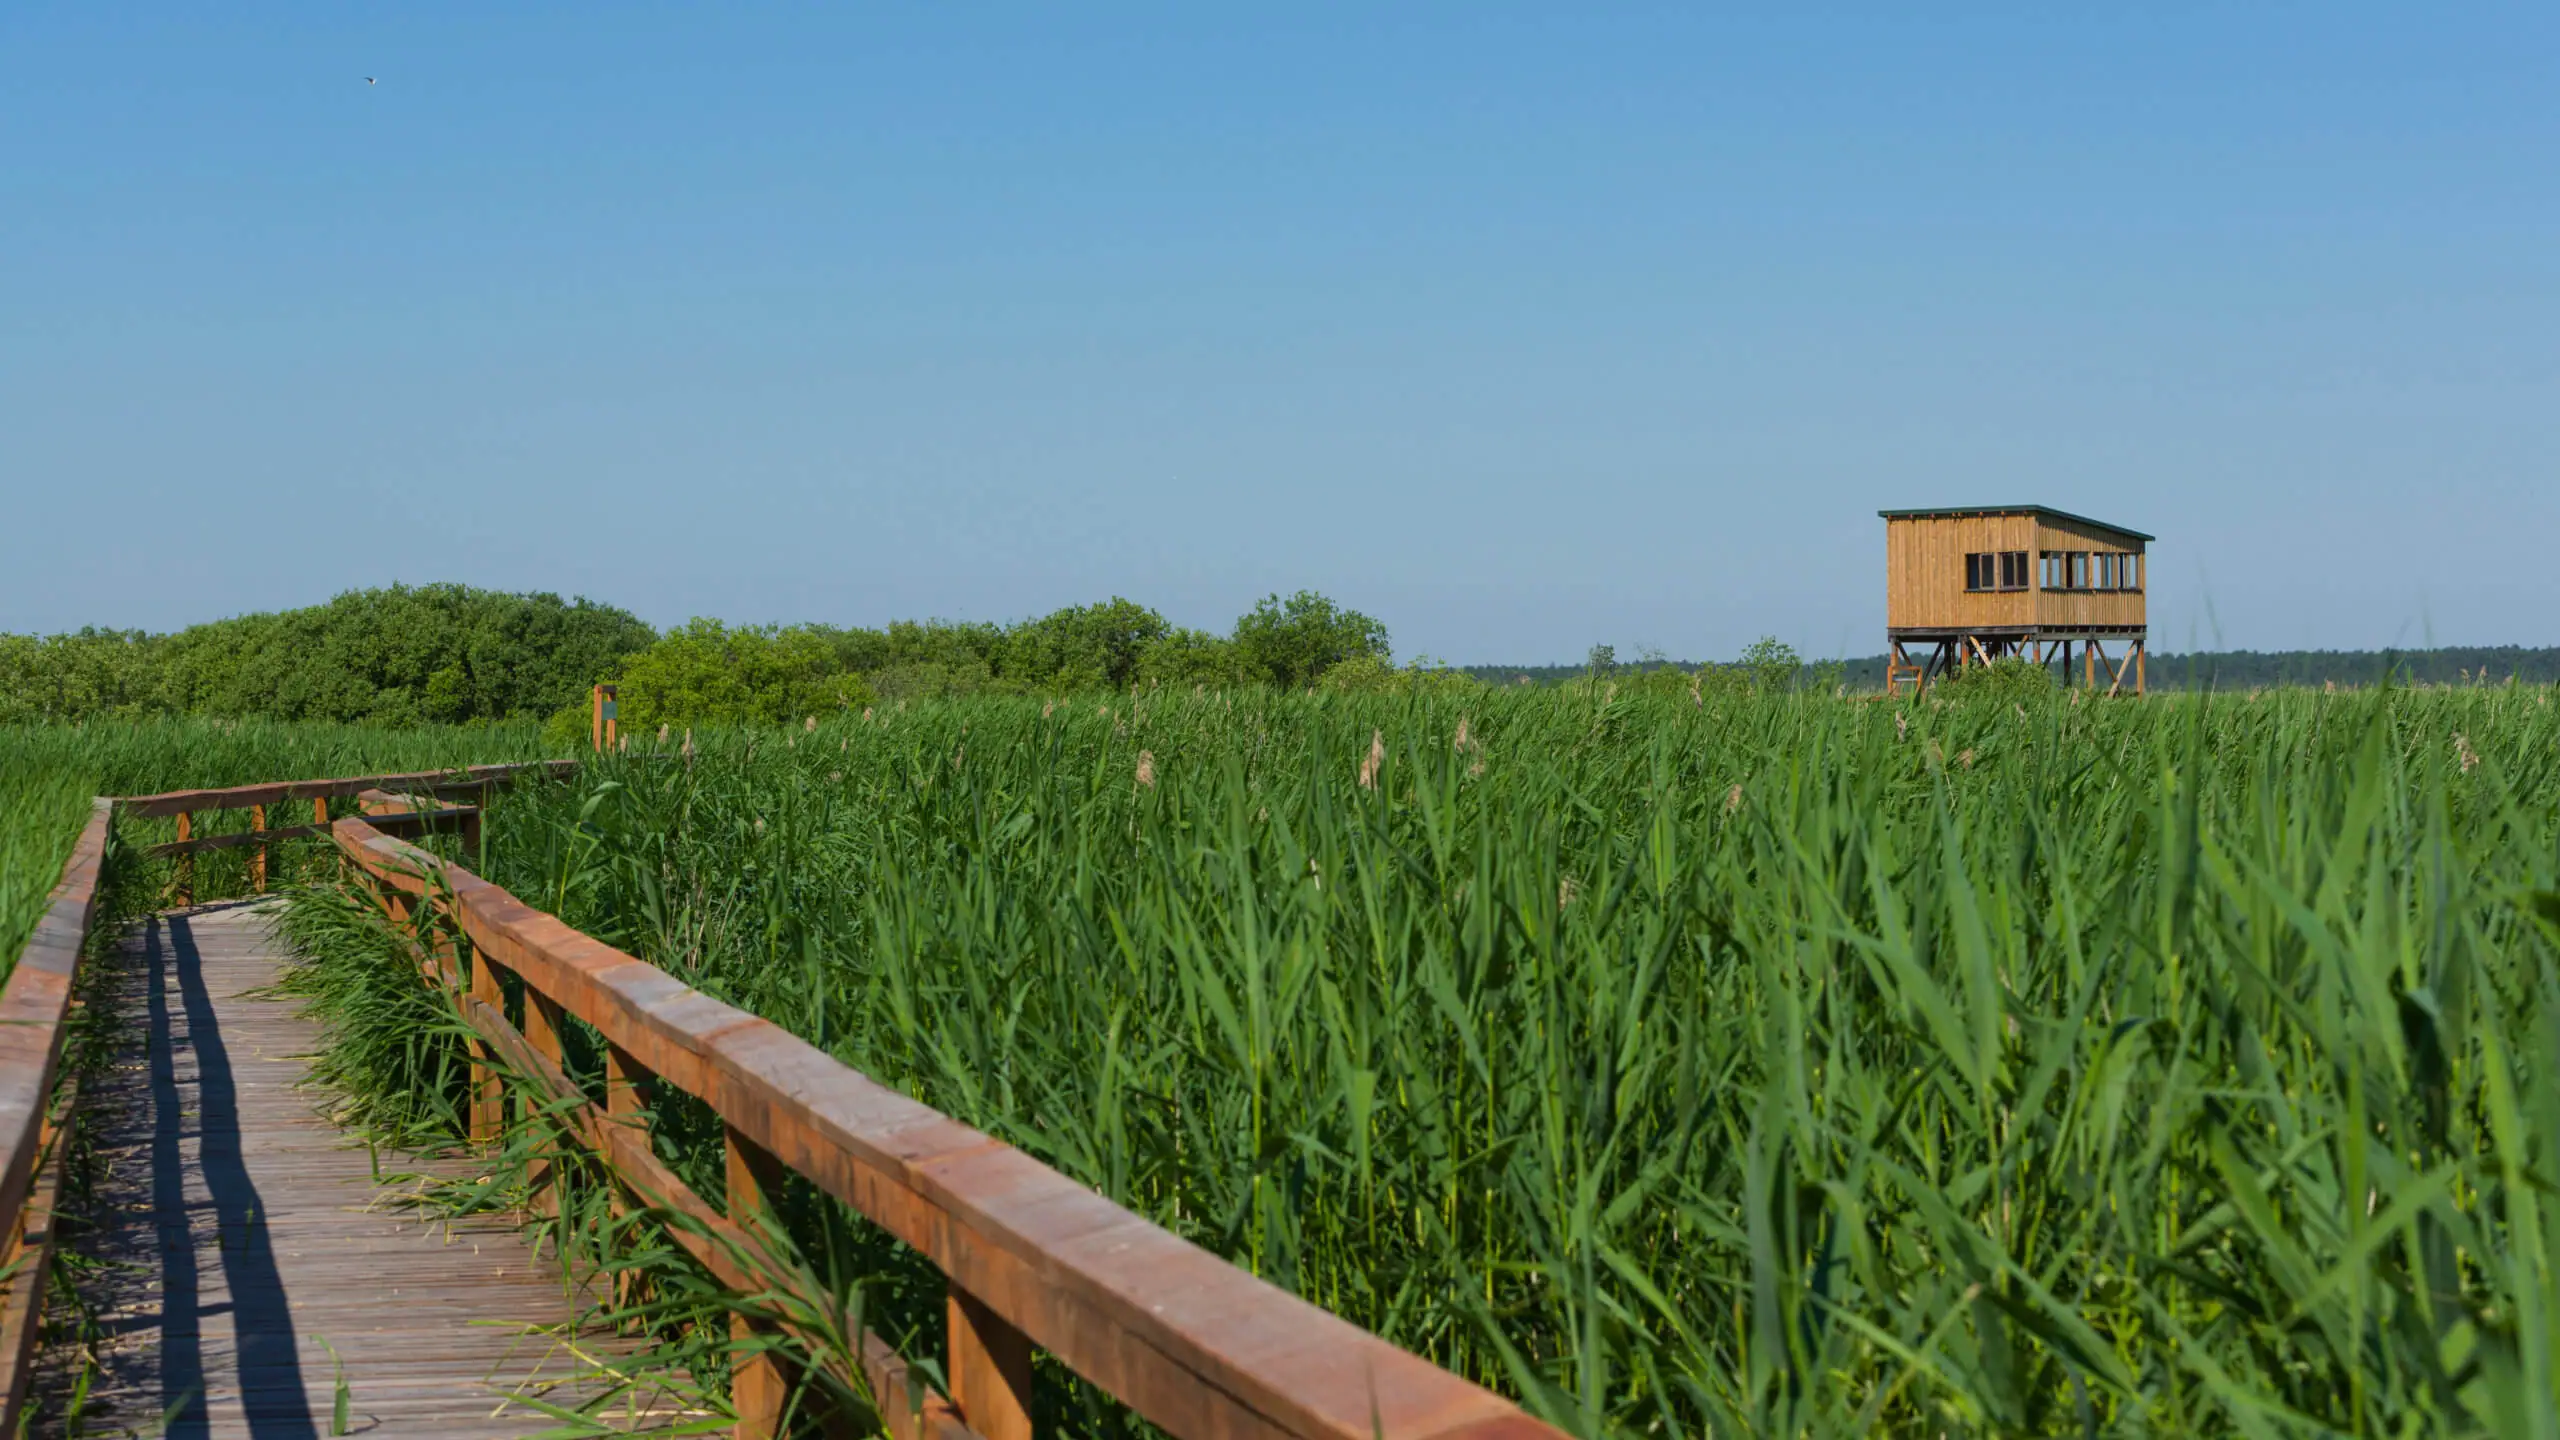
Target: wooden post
pixel 542 1032
pixel 758 1389
pixel 320 817
pixel 2138 686
pixel 626 1086
pixel 990 1370
pixel 2089 664
pixel 186 862
pixel 258 858
pixel 626 1102
pixel 488 1092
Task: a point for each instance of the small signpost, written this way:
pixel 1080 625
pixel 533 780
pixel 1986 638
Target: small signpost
pixel 606 731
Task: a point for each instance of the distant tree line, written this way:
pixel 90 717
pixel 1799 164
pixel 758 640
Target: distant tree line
pixel 402 656
pixel 706 672
pixel 452 654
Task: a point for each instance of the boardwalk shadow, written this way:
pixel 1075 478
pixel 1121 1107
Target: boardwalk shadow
pixel 267 1357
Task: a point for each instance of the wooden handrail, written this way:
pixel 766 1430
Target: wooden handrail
pixel 34 1120
pixel 398 823
pixel 473 780
pixel 1192 1343
pixel 242 797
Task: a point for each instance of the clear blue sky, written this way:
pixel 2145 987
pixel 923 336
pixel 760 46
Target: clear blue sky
pixel 1519 328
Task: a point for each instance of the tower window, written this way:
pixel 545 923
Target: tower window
pixel 1995 570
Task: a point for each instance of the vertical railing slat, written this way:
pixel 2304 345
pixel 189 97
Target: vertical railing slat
pixel 542 1031
pixel 488 1094
pixel 990 1370
pixel 757 1384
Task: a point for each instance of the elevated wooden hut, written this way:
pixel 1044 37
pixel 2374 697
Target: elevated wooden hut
pixel 1970 584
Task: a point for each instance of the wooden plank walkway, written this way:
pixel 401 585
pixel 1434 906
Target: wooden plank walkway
pixel 234 1230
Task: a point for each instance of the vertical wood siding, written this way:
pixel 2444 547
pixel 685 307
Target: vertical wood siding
pixel 1924 573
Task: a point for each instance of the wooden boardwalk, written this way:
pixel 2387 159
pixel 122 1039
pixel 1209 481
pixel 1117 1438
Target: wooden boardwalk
pixel 235 1230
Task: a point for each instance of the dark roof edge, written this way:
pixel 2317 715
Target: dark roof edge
pixel 2011 510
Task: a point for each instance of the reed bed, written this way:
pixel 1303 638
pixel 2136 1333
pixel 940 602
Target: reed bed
pixel 1709 1064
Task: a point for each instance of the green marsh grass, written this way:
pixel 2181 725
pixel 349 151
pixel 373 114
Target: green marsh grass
pixel 1718 1066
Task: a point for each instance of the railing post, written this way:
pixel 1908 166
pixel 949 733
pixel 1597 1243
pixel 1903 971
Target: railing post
pixel 186 862
pixel 320 818
pixel 626 1099
pixel 542 1032
pixel 488 1093
pixel 990 1369
pixel 757 1386
pixel 258 860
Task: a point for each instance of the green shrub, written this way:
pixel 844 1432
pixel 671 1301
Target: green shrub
pixel 2007 678
pixel 1083 647
pixel 1372 675
pixel 706 673
pixel 1191 658
pixel 403 655
pixel 1290 642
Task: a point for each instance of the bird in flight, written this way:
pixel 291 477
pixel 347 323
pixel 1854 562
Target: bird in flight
pixel 368 79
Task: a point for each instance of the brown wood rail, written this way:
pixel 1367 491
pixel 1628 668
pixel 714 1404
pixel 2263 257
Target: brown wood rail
pixel 473 780
pixel 404 823
pixel 242 797
pixel 35 1113
pixel 1195 1345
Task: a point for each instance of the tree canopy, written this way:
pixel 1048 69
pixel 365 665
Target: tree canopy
pixel 399 655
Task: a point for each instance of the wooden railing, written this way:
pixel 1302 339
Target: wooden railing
pixel 35 1114
pixel 38 1103
pixel 475 781
pixel 1032 1259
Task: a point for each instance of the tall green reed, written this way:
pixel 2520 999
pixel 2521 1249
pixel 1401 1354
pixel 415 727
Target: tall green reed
pixel 1741 1065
